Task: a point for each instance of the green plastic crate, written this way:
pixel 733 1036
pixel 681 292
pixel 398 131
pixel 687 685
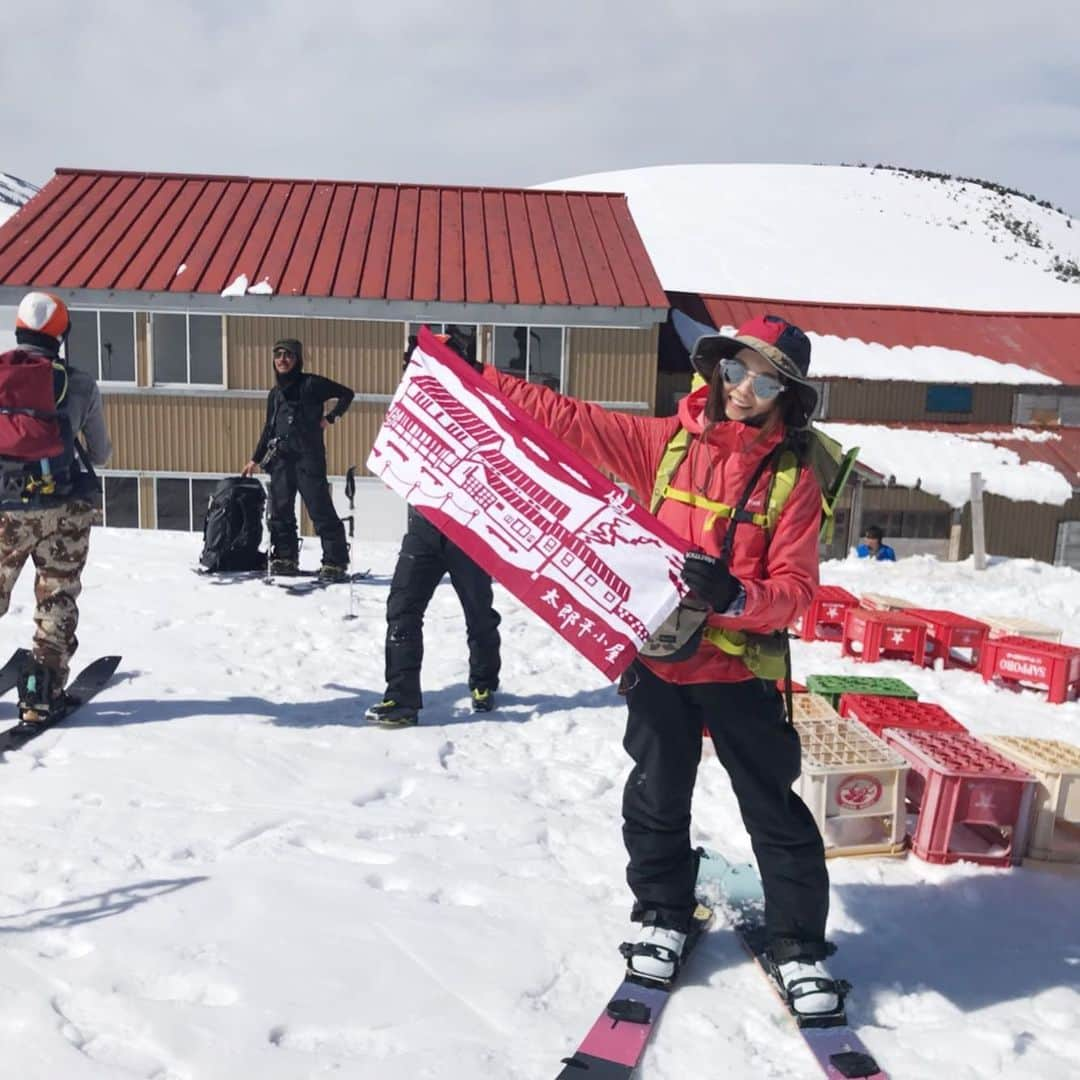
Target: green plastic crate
pixel 831 687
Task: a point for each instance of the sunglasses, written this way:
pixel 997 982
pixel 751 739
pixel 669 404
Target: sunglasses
pixel 765 387
pixel 283 352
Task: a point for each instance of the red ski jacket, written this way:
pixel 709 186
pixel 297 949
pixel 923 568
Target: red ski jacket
pixel 779 572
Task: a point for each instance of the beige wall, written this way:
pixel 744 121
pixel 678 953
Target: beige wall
pixel 612 365
pixel 366 356
pixel 217 434
pixel 876 399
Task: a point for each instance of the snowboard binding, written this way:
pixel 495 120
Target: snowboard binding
pixel 41 693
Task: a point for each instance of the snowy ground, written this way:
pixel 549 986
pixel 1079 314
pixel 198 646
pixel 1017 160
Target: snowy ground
pixel 216 872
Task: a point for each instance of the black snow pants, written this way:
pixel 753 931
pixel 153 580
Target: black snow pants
pixel 425 556
pixel 306 474
pixel 760 751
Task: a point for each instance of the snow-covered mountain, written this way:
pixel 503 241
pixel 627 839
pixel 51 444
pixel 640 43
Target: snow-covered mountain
pixel 850 234
pixel 13 194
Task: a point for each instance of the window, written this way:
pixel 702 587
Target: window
pixel 1047 409
pixel 121 502
pixel 949 398
pixel 103 343
pixel 910 524
pixel 182 502
pixel 533 352
pixel 1067 548
pixel 187 349
pixel 463 333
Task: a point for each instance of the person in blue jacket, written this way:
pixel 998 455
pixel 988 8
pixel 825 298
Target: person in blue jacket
pixel 873 548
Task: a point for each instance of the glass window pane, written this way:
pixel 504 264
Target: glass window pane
pixel 466 337
pixel 201 490
pixel 949 398
pixel 122 502
pixel 206 349
pixel 82 343
pixel 118 346
pixel 545 355
pixel 173 511
pixel 169 336
pixel 509 348
pixel 414 328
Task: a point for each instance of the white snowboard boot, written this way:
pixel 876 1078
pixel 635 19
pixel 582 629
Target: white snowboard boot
pixel 656 953
pixel 809 988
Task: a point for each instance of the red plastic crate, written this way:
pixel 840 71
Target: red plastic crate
pixel 1021 660
pixel 956 640
pixel 878 713
pixel 883 635
pixel 972 802
pixel 824 619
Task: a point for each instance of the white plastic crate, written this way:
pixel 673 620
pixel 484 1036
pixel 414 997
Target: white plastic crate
pixel 853 783
pixel 1054 835
pixel 1009 625
pixel 876 601
pixel 812 707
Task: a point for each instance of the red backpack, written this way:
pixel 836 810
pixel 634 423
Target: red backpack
pixel 33 448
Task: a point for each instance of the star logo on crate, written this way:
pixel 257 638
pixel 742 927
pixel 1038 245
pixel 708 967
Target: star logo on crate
pixel 899 637
pixel 832 611
pixel 858 792
pixel 983 800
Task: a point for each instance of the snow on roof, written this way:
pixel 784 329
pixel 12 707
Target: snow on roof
pixel 941 462
pixel 855 359
pixel 848 235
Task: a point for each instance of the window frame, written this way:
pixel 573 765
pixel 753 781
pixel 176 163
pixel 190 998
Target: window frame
pixel 187 384
pixel 99 371
pixel 106 476
pixel 528 350
pixel 189 479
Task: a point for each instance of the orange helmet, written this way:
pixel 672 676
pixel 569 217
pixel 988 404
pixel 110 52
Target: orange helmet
pixel 43 313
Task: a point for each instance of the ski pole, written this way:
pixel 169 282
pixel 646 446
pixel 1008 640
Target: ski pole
pixel 350 495
pixel 268 579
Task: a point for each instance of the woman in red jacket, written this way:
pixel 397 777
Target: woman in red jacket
pixel 756 400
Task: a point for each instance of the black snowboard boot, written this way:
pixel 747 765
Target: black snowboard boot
pixel 41 693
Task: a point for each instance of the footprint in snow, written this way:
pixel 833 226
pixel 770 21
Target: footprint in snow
pixel 186 988
pixel 394 789
pixel 339 1042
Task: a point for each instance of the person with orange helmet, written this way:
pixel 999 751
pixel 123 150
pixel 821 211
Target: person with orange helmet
pixel 52 434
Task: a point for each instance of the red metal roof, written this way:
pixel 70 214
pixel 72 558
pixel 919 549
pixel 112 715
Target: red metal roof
pixel 1061 451
pixel 1046 343
pixel 313 238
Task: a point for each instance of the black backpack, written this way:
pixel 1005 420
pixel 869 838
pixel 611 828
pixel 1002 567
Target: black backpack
pixel 233 528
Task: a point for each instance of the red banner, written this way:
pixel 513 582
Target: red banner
pixel 548 526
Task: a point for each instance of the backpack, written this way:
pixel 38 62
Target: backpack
pixel 233 528
pixel 37 445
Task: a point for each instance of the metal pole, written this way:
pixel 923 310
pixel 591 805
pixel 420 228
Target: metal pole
pixel 350 494
pixel 978 521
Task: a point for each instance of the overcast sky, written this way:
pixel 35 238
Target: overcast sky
pixel 501 93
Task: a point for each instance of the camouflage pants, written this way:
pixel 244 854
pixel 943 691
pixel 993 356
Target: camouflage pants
pixel 58 540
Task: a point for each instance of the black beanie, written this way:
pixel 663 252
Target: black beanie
pixel 293 346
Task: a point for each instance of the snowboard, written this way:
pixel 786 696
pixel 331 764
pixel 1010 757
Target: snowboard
pixel 92 679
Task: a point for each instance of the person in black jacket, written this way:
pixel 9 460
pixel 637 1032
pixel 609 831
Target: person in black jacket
pixel 426 556
pixel 292 451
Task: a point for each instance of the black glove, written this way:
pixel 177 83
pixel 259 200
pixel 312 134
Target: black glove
pixel 710 578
